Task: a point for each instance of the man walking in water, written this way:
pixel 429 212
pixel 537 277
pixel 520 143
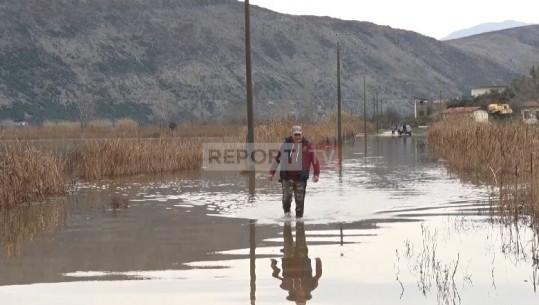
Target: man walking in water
pixel 298 156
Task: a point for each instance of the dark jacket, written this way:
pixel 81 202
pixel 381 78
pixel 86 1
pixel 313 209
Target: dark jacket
pixel 295 161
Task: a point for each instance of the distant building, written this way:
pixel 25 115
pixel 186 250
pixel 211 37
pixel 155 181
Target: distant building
pixel 421 108
pixel 9 124
pixel 438 105
pixel 530 112
pixel 487 89
pixel 475 113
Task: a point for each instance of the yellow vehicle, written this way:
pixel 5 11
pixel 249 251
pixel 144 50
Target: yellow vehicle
pixel 500 111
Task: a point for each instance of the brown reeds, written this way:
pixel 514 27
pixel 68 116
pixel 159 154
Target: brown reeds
pixel 28 174
pixel 265 132
pixel 501 155
pixel 73 130
pixel 319 132
pixel 123 157
pixel 124 128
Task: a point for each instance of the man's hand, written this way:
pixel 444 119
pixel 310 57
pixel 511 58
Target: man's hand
pixel 315 179
pixel 270 177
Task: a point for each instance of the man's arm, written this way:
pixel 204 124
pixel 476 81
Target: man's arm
pixel 315 163
pixel 276 269
pixel 274 165
pixel 318 268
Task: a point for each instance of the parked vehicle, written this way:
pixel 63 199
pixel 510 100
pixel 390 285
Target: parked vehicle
pixel 405 130
pixel 500 111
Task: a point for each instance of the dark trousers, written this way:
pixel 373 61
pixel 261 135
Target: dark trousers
pixel 296 188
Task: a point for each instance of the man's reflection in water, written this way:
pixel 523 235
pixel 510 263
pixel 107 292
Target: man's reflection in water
pixel 297 274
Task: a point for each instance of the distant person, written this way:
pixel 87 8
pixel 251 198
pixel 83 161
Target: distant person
pixel 298 156
pixel 297 272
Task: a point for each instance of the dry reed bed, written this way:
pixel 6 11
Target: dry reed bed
pixel 268 132
pixel 504 155
pixel 319 132
pixel 121 129
pixel 99 159
pixel 28 174
pixel 73 130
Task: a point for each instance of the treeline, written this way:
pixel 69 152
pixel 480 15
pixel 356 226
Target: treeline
pixel 521 90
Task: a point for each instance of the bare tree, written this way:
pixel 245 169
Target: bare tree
pixel 164 106
pixel 85 103
pixel 307 113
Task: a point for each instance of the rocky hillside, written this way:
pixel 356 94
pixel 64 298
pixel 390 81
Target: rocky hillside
pixel 515 49
pixel 184 60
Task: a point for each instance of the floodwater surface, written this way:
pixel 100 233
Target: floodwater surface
pixel 391 226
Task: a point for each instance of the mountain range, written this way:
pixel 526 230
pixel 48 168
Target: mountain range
pixel 485 28
pixel 184 61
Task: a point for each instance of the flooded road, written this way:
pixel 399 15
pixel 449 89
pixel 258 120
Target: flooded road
pixel 390 227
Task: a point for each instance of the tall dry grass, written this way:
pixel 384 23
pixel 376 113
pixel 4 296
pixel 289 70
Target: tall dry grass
pixel 318 132
pixel 98 159
pixel 124 128
pixel 29 172
pixel 503 155
pixel 73 130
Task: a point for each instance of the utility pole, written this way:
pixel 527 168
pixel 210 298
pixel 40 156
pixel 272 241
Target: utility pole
pixel 249 85
pixel 365 108
pixel 377 112
pixel 365 113
pixel 373 108
pixel 252 259
pixel 339 126
pixel 381 110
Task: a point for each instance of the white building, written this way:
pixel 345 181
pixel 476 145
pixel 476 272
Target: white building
pixel 487 89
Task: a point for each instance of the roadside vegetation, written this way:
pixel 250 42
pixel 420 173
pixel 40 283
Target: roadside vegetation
pixel 502 154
